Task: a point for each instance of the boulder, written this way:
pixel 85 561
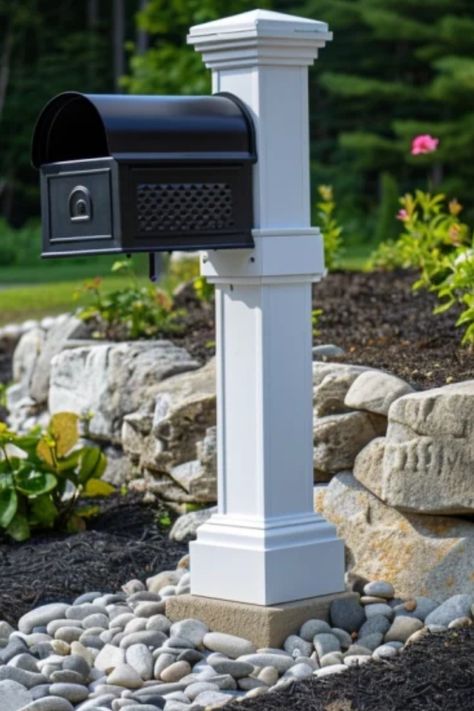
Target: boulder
pixel 63 329
pixel 110 380
pixel 420 555
pixel 375 390
pixel 331 382
pixel 338 439
pixel 26 354
pixel 428 462
pixel 185 409
pixel 369 465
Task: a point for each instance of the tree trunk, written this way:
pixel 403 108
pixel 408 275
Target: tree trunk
pixel 118 40
pixel 5 67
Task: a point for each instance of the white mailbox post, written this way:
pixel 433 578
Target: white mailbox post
pixel 266 545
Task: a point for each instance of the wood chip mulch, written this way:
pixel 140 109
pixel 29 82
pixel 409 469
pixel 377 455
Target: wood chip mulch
pixel 434 674
pixel 126 541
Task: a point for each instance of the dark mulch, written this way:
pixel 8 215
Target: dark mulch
pixel 379 321
pixel 126 541
pixel 435 674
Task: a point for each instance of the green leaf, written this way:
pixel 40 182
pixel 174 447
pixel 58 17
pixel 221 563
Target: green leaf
pixel 44 510
pixel 96 487
pixel 88 511
pixel 93 464
pixel 34 483
pixel 8 506
pixel 64 429
pixel 19 528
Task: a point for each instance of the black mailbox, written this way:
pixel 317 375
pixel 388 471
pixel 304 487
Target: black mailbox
pixel 144 173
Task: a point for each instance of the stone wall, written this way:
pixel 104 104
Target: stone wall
pixel 394 468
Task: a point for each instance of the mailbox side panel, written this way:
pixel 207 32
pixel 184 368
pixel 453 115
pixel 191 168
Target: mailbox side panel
pixel 80 211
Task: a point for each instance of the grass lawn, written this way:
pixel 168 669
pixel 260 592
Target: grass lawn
pixel 49 287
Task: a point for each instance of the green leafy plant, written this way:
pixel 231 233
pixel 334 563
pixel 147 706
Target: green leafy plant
pixel 43 474
pixel 133 312
pixel 438 244
pixel 332 231
pixel 315 316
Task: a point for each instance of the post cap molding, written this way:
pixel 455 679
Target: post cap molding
pixel 259 37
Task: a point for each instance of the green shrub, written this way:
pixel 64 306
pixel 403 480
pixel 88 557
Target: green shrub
pixel 20 247
pixel 131 312
pixel 330 228
pixel 436 243
pixel 44 473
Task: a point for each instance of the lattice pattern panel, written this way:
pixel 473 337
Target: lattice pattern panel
pixel 184 207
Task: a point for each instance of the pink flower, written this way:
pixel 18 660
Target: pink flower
pixel 424 144
pixel 402 215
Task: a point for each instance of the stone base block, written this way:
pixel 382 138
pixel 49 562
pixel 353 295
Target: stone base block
pixel 265 626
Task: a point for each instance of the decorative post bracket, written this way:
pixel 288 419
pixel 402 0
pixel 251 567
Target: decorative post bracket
pixel 266 545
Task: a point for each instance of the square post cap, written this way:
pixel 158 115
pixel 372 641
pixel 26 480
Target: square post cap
pixel 259 37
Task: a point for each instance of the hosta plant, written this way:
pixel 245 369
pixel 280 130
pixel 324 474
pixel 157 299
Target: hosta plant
pixel 43 476
pixel 131 312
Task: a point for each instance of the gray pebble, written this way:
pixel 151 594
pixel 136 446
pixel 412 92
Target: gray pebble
pixel 198 687
pixel 68 634
pixel 379 623
pixel 140 658
pixel 385 651
pixel 13 695
pixel 152 638
pixel 297 645
pixel 21 676
pixel 379 588
pixel 49 703
pixel 86 597
pixel 14 647
pixel 331 658
pixel 281 662
pixel 212 698
pixel 300 671
pixel 328 671
pixel 41 616
pixel 162 661
pixel 460 622
pixel 98 619
pixel 191 629
pixel 66 676
pixel 24 661
pixel 80 612
pixel 358 650
pixel 456 606
pixel 74 693
pixel 325 643
pixel 424 605
pixel 327 350
pixel 160 623
pixel 402 628
pixel 379 609
pixel 356 660
pixel 148 609
pixel 190 655
pixel 237 669
pixel 371 641
pixel 347 613
pixel 228 644
pixel 313 627
pixel 344 637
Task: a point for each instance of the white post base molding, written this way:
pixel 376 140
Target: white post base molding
pixel 235 560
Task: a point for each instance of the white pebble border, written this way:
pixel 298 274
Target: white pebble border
pixel 107 652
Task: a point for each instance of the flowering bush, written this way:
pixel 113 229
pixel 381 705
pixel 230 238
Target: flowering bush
pixel 438 244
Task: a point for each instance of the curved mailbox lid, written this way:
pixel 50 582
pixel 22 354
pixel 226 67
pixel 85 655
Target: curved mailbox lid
pixel 75 126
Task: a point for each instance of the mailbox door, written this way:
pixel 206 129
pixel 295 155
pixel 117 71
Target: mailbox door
pixel 79 207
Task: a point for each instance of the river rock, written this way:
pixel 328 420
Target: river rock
pixel 191 629
pixel 112 380
pixel 338 439
pixel 297 645
pixel 229 645
pixel 452 608
pixel 13 695
pixel 125 675
pixel 325 643
pixel 40 616
pixel 312 627
pixel 402 628
pixel 280 662
pixel 421 555
pixel 375 390
pixel 380 588
pixel 429 457
pixel 347 613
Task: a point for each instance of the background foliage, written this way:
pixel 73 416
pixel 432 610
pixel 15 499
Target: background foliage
pixel 396 68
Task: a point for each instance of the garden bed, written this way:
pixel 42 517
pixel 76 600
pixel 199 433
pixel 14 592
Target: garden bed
pixel 435 674
pixel 125 541
pixel 376 318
